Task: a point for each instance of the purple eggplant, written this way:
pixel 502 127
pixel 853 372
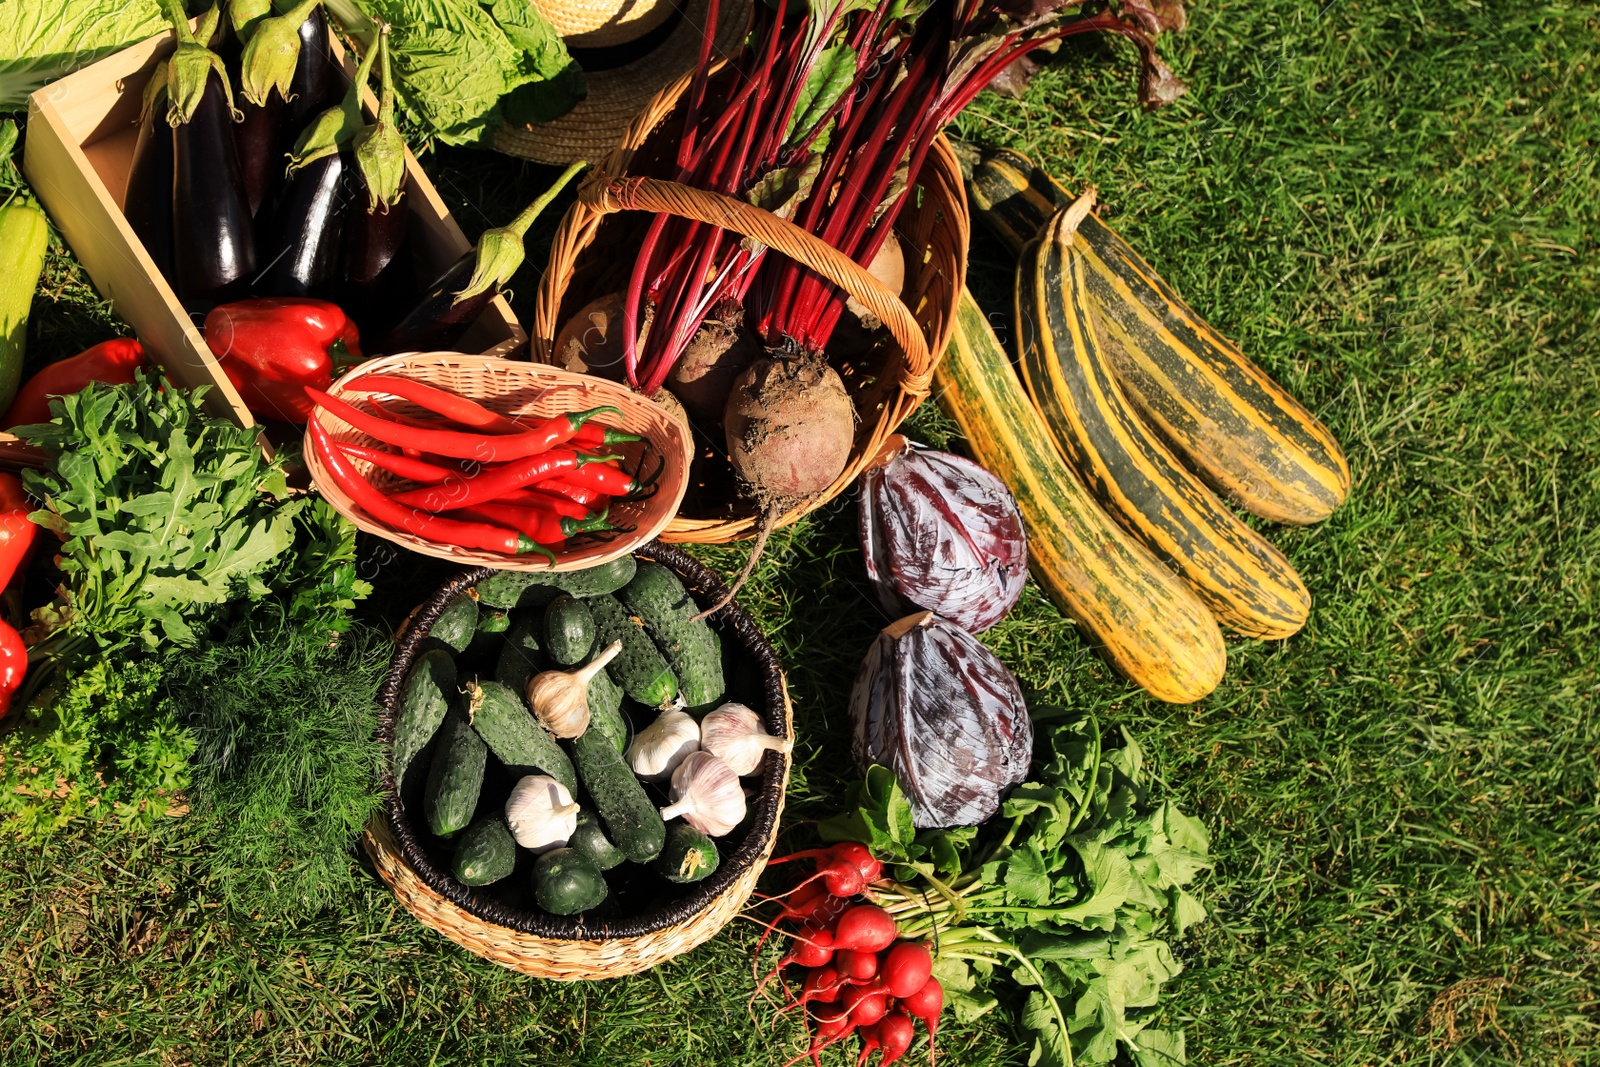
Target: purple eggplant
pixel 213 249
pixel 147 205
pixel 935 706
pixel 302 257
pixel 454 302
pixel 376 276
pixel 315 84
pixel 257 138
pixel 265 70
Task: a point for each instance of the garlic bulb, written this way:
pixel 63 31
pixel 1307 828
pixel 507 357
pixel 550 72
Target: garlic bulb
pixel 659 748
pixel 541 813
pixel 706 792
pixel 733 734
pixel 560 699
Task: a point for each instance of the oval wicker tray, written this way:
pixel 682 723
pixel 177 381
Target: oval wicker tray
pixel 568 948
pixel 517 389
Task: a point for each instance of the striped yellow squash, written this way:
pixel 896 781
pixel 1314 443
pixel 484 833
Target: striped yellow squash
pixel 1245 582
pixel 1151 626
pixel 1224 416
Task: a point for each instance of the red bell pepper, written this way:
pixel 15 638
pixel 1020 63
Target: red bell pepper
pixel 271 348
pixel 112 362
pixel 16 529
pixel 13 664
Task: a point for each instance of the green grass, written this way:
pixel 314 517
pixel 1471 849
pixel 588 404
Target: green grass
pixel 1395 214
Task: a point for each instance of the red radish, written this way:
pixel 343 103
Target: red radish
pixel 843 881
pixel 926 1004
pixel 907 967
pixel 865 1004
pixel 895 1033
pixel 869 1041
pixel 832 1026
pixel 812 950
pixel 859 856
pixel 864 928
pixel 811 904
pixel 821 985
pixel 856 966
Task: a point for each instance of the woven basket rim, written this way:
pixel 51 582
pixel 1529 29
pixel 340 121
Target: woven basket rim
pixel 768 805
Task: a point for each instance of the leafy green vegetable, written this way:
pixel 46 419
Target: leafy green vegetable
pixel 1070 894
pixel 41 40
pixel 462 68
pixel 285 770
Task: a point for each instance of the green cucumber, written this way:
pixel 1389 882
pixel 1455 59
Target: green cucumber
pixel 522 656
pixel 424 701
pixel 590 839
pixel 565 882
pixel 568 631
pixel 640 668
pixel 605 710
pixel 688 855
pixel 514 735
pixel 522 589
pixel 457 623
pixel 631 820
pixel 493 621
pixel 657 597
pixel 486 852
pixel 456 777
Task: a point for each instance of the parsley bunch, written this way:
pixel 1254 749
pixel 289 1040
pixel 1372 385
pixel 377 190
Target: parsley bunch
pixel 1071 893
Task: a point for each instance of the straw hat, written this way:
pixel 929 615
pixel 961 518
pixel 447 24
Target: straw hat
pixel 622 77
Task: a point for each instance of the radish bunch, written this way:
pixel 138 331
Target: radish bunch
pixel 856 977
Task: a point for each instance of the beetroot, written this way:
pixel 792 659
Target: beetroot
pixel 591 341
pixel 704 375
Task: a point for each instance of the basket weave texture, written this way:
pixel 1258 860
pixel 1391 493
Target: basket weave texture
pixel 529 391
pixel 565 948
pixel 933 233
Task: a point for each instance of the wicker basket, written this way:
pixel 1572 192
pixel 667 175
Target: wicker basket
pixel 564 948
pixel 933 232
pixel 521 389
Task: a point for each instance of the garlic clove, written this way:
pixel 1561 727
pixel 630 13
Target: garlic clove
pixel 560 699
pixel 707 794
pixel 734 734
pixel 659 748
pixel 541 813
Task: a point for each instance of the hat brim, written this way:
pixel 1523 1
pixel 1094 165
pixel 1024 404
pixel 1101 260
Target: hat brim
pixel 593 128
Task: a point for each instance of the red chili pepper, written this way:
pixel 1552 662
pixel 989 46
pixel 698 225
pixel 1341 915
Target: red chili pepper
pixel 559 505
pixel 388 411
pixel 591 498
pixel 453 406
pixel 272 347
pixel 16 529
pixel 592 435
pixel 419 523
pixel 541 526
pixel 490 483
pixel 112 362
pixel 454 443
pixel 13 665
pixel 416 470
pixel 604 478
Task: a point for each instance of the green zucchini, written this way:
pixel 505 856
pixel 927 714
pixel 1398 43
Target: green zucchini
pixel 565 882
pixel 656 596
pixel 687 856
pixel 1246 583
pixel 457 623
pixel 640 668
pixel 486 852
pixel 424 701
pixel 456 777
pixel 514 735
pixel 1224 416
pixel 568 631
pixel 523 589
pixel 590 839
pixel 630 819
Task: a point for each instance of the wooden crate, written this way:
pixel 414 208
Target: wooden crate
pixel 81 133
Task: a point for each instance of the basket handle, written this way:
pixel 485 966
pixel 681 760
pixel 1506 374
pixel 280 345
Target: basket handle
pixel 603 196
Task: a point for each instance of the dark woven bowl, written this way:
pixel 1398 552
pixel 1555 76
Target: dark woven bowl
pixel 526 938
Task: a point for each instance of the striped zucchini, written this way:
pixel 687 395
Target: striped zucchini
pixel 1224 416
pixel 1245 582
pixel 1152 627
